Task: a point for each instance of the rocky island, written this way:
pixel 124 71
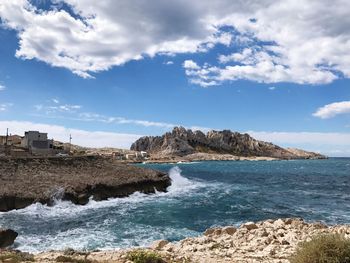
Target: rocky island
pixel 25 181
pixel 186 145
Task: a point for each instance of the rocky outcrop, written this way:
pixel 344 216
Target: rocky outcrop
pixel 266 241
pixel 272 241
pixel 7 237
pixel 182 142
pixel 25 181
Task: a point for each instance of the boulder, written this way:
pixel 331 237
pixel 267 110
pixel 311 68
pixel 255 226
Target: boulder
pixel 159 244
pixel 250 226
pixel 7 237
pixel 209 231
pixel 279 223
pixel 230 230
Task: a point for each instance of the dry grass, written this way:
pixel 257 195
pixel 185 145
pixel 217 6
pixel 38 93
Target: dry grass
pixel 331 248
pixel 15 257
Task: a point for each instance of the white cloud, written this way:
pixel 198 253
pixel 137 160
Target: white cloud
pixel 55 106
pixel 190 64
pixel 334 144
pixel 333 109
pixel 5 106
pixel 169 62
pixel 277 41
pixel 2 87
pixel 80 137
pixel 272 88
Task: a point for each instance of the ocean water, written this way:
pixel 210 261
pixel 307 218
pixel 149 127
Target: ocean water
pixel 202 195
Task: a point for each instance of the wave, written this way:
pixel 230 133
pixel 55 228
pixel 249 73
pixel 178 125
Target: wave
pixel 179 185
pixel 109 224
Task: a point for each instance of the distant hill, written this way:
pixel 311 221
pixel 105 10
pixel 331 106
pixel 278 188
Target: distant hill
pixel 183 142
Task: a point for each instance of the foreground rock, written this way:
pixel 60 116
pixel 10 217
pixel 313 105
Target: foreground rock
pixel 7 237
pixel 272 241
pixel 25 181
pixel 184 143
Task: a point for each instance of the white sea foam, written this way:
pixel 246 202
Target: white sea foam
pixel 179 185
pixel 87 232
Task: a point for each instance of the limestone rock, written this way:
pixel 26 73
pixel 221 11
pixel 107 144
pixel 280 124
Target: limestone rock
pixel 159 244
pixel 250 225
pixel 230 230
pixel 181 142
pixel 25 181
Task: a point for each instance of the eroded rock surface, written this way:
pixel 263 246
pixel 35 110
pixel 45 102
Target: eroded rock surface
pixel 269 241
pixel 29 180
pixel 182 142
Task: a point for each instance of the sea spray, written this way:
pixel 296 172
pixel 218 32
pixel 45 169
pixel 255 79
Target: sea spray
pixel 202 195
pixel 178 182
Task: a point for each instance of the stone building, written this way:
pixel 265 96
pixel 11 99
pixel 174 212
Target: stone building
pixel 37 143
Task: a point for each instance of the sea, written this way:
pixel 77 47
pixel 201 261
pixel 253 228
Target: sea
pixel 202 195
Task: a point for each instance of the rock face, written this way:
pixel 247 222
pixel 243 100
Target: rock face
pixel 7 237
pixel 182 142
pixel 25 181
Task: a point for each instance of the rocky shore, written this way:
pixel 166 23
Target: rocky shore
pixel 25 181
pixel 269 241
pixel 199 157
pixel 190 145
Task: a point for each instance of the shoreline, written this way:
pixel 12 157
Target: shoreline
pixel 199 157
pixel 271 240
pixel 25 181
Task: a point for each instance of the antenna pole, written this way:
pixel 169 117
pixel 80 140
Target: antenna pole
pixel 7 135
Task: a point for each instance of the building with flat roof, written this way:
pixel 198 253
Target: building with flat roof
pixel 37 143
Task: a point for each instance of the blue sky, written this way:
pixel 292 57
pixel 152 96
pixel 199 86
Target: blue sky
pixel 64 69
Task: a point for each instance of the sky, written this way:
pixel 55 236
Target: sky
pixel 108 71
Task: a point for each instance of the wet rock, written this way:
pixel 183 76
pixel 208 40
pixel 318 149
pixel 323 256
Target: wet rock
pixel 7 237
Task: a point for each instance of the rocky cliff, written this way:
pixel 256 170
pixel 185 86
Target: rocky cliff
pixel 25 181
pixel 182 142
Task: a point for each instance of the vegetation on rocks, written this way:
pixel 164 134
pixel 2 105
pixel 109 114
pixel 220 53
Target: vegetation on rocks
pixel 15 257
pixel 144 256
pixel 69 259
pixel 331 248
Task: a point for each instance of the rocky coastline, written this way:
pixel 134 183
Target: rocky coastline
pixel 25 181
pixel 270 241
pixel 185 144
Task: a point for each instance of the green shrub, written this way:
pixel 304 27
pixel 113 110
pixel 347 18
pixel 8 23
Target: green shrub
pixel 143 256
pixel 330 248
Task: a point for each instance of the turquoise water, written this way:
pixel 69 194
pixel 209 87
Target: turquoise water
pixel 202 195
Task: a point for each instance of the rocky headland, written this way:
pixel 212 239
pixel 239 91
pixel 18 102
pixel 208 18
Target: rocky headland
pixel 187 145
pixel 269 241
pixel 25 181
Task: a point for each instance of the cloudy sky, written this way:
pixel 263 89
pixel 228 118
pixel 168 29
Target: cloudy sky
pixel 109 71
